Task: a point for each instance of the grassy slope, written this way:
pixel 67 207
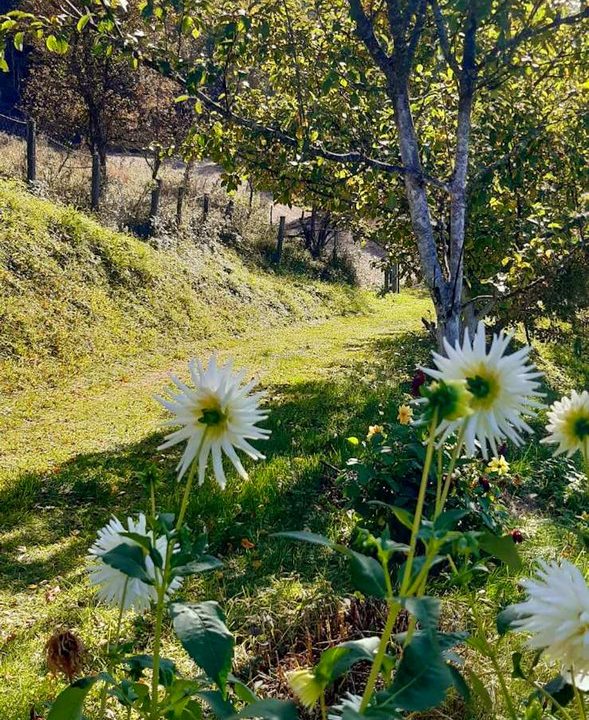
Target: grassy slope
pixel 73 293
pixel 318 377
pixel 92 323
pixel 73 454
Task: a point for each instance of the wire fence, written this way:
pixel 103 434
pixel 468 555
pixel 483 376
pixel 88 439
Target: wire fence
pixel 131 191
pixel 121 184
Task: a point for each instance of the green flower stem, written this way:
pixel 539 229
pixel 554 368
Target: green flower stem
pixel 439 475
pixel 578 698
pixel 420 504
pixel 323 706
pixel 394 608
pixel 165 580
pixel 189 482
pixel 449 475
pixel 159 620
pixel 417 588
pixel 491 655
pixel 103 695
pixel 562 710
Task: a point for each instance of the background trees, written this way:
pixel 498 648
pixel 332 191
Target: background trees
pixel 425 120
pixel 99 99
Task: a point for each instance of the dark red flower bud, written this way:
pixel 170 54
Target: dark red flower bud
pixel 418 380
pixel 517 537
pixel 502 450
pixel 484 483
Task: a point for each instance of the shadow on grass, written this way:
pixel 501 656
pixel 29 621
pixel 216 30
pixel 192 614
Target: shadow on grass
pixel 49 520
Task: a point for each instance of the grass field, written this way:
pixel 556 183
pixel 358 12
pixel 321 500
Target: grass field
pixel 77 441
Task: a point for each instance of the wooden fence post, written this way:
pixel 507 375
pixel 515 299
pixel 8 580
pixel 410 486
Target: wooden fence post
pixel 96 181
pixel 154 206
pixel 31 151
pixel 206 204
pixel 280 240
pixel 180 205
pixel 395 278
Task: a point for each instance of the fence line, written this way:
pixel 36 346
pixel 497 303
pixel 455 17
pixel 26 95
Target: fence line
pixel 26 131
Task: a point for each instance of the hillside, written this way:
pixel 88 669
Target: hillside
pixel 73 293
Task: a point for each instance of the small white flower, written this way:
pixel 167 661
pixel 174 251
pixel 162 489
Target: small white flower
pixel 503 388
pixel 114 587
pixel 556 613
pixel 219 415
pixel 348 702
pixel 568 424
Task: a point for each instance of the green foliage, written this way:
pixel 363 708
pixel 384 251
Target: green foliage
pixel 205 637
pixel 69 704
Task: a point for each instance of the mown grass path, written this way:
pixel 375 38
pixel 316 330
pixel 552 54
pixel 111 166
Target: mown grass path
pixel 71 456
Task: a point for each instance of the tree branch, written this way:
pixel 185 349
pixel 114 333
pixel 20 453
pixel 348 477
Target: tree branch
pixel 443 38
pixel 365 31
pixel 529 33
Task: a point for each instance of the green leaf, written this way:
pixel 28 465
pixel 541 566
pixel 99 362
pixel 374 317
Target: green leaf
pixel 422 677
pixel 18 40
pixel 313 538
pixel 426 611
pixel 130 560
pixel 338 660
pixel 403 516
pixel 503 548
pixel 270 709
pixel 138 663
pixel 562 691
pixel 367 575
pixel 83 21
pixel 69 704
pixel 506 618
pixel 221 707
pixel 480 691
pixel 205 563
pixel 242 691
pixel 202 631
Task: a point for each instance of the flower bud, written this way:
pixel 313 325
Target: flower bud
pixel 450 400
pixel 305 686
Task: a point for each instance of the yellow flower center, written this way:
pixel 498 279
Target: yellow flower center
pixel 210 413
pixel 581 428
pixel 484 388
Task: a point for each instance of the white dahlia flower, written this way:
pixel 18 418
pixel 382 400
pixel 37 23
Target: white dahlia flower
pixel 114 587
pixel 568 425
pixel 556 613
pixel 218 415
pixel 503 388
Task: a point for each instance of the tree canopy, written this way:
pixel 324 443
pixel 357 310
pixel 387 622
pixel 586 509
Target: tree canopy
pixel 452 129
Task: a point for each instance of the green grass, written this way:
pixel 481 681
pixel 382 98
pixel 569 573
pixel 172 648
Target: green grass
pixel 79 462
pixel 79 429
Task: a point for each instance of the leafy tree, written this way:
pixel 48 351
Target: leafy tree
pixel 98 98
pixel 387 111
